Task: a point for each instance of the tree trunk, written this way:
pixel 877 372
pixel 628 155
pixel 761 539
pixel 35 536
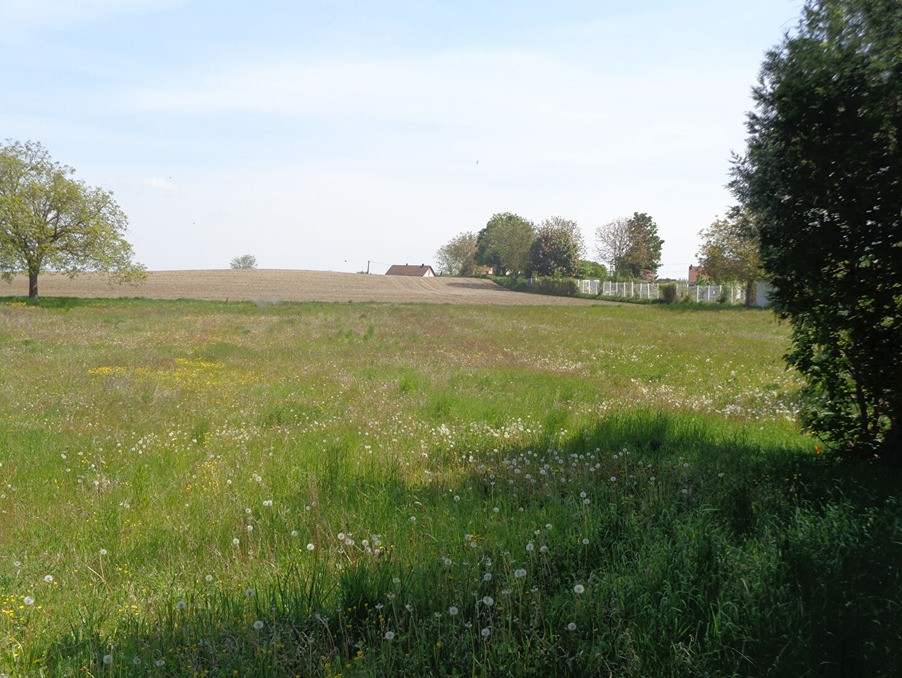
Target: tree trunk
pixel 32 285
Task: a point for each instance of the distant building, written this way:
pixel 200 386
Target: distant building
pixel 421 271
pixel 697 274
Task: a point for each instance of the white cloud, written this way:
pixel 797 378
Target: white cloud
pixel 160 184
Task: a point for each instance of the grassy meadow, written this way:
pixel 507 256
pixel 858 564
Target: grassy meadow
pixel 230 489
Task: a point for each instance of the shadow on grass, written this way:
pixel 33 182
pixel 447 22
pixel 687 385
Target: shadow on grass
pixel 704 549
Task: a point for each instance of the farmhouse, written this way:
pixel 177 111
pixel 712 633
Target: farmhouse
pixel 421 271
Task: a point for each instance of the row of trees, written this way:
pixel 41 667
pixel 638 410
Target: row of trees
pixel 511 245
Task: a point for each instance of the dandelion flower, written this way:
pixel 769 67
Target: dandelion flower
pixel 258 625
pixel 389 635
pixel 579 588
pixel 453 611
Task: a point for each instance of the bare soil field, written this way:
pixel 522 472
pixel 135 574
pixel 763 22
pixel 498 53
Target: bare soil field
pixel 271 286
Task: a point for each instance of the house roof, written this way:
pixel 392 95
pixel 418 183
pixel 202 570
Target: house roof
pixel 406 269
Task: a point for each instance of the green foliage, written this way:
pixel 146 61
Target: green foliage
pixel 592 270
pixel 458 256
pixel 556 249
pixel 504 244
pixel 822 176
pixel 630 246
pixel 245 261
pixel 49 221
pixel 729 250
pixel 669 293
pixel 644 251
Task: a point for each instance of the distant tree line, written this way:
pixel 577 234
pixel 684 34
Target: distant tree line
pixel 510 245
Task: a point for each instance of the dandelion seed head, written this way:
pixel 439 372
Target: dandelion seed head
pixel 488 601
pixel 28 600
pixel 579 588
pixel 48 578
pixel 571 626
pixel 181 604
pixel 310 547
pixel 258 625
pixel 209 578
pixel 486 632
pixel 107 659
pixel 453 611
pixel 519 574
pixel 389 635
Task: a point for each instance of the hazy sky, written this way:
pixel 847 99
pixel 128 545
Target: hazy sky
pixel 320 134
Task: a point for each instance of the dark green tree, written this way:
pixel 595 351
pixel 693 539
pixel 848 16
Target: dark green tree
pixel 504 244
pixel 49 221
pixel 644 250
pixel 557 248
pixel 822 176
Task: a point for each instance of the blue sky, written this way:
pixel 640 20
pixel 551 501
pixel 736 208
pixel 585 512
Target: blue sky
pixel 322 134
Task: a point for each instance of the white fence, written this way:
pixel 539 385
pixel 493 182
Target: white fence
pixel 731 294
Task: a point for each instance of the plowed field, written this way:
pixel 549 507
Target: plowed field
pixel 267 286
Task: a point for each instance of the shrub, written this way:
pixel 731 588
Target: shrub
pixel 669 293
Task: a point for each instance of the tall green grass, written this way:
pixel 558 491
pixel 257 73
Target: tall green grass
pixel 224 489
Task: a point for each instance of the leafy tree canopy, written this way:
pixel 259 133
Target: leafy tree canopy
pixel 630 246
pixel 644 252
pixel 458 256
pixel 49 221
pixel 729 251
pixel 557 248
pixel 504 244
pixel 822 176
pixel 245 261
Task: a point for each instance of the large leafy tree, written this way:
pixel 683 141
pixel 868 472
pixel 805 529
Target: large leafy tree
pixel 644 252
pixel 504 244
pixel 729 251
pixel 822 176
pixel 49 221
pixel 458 255
pixel 557 247
pixel 630 246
